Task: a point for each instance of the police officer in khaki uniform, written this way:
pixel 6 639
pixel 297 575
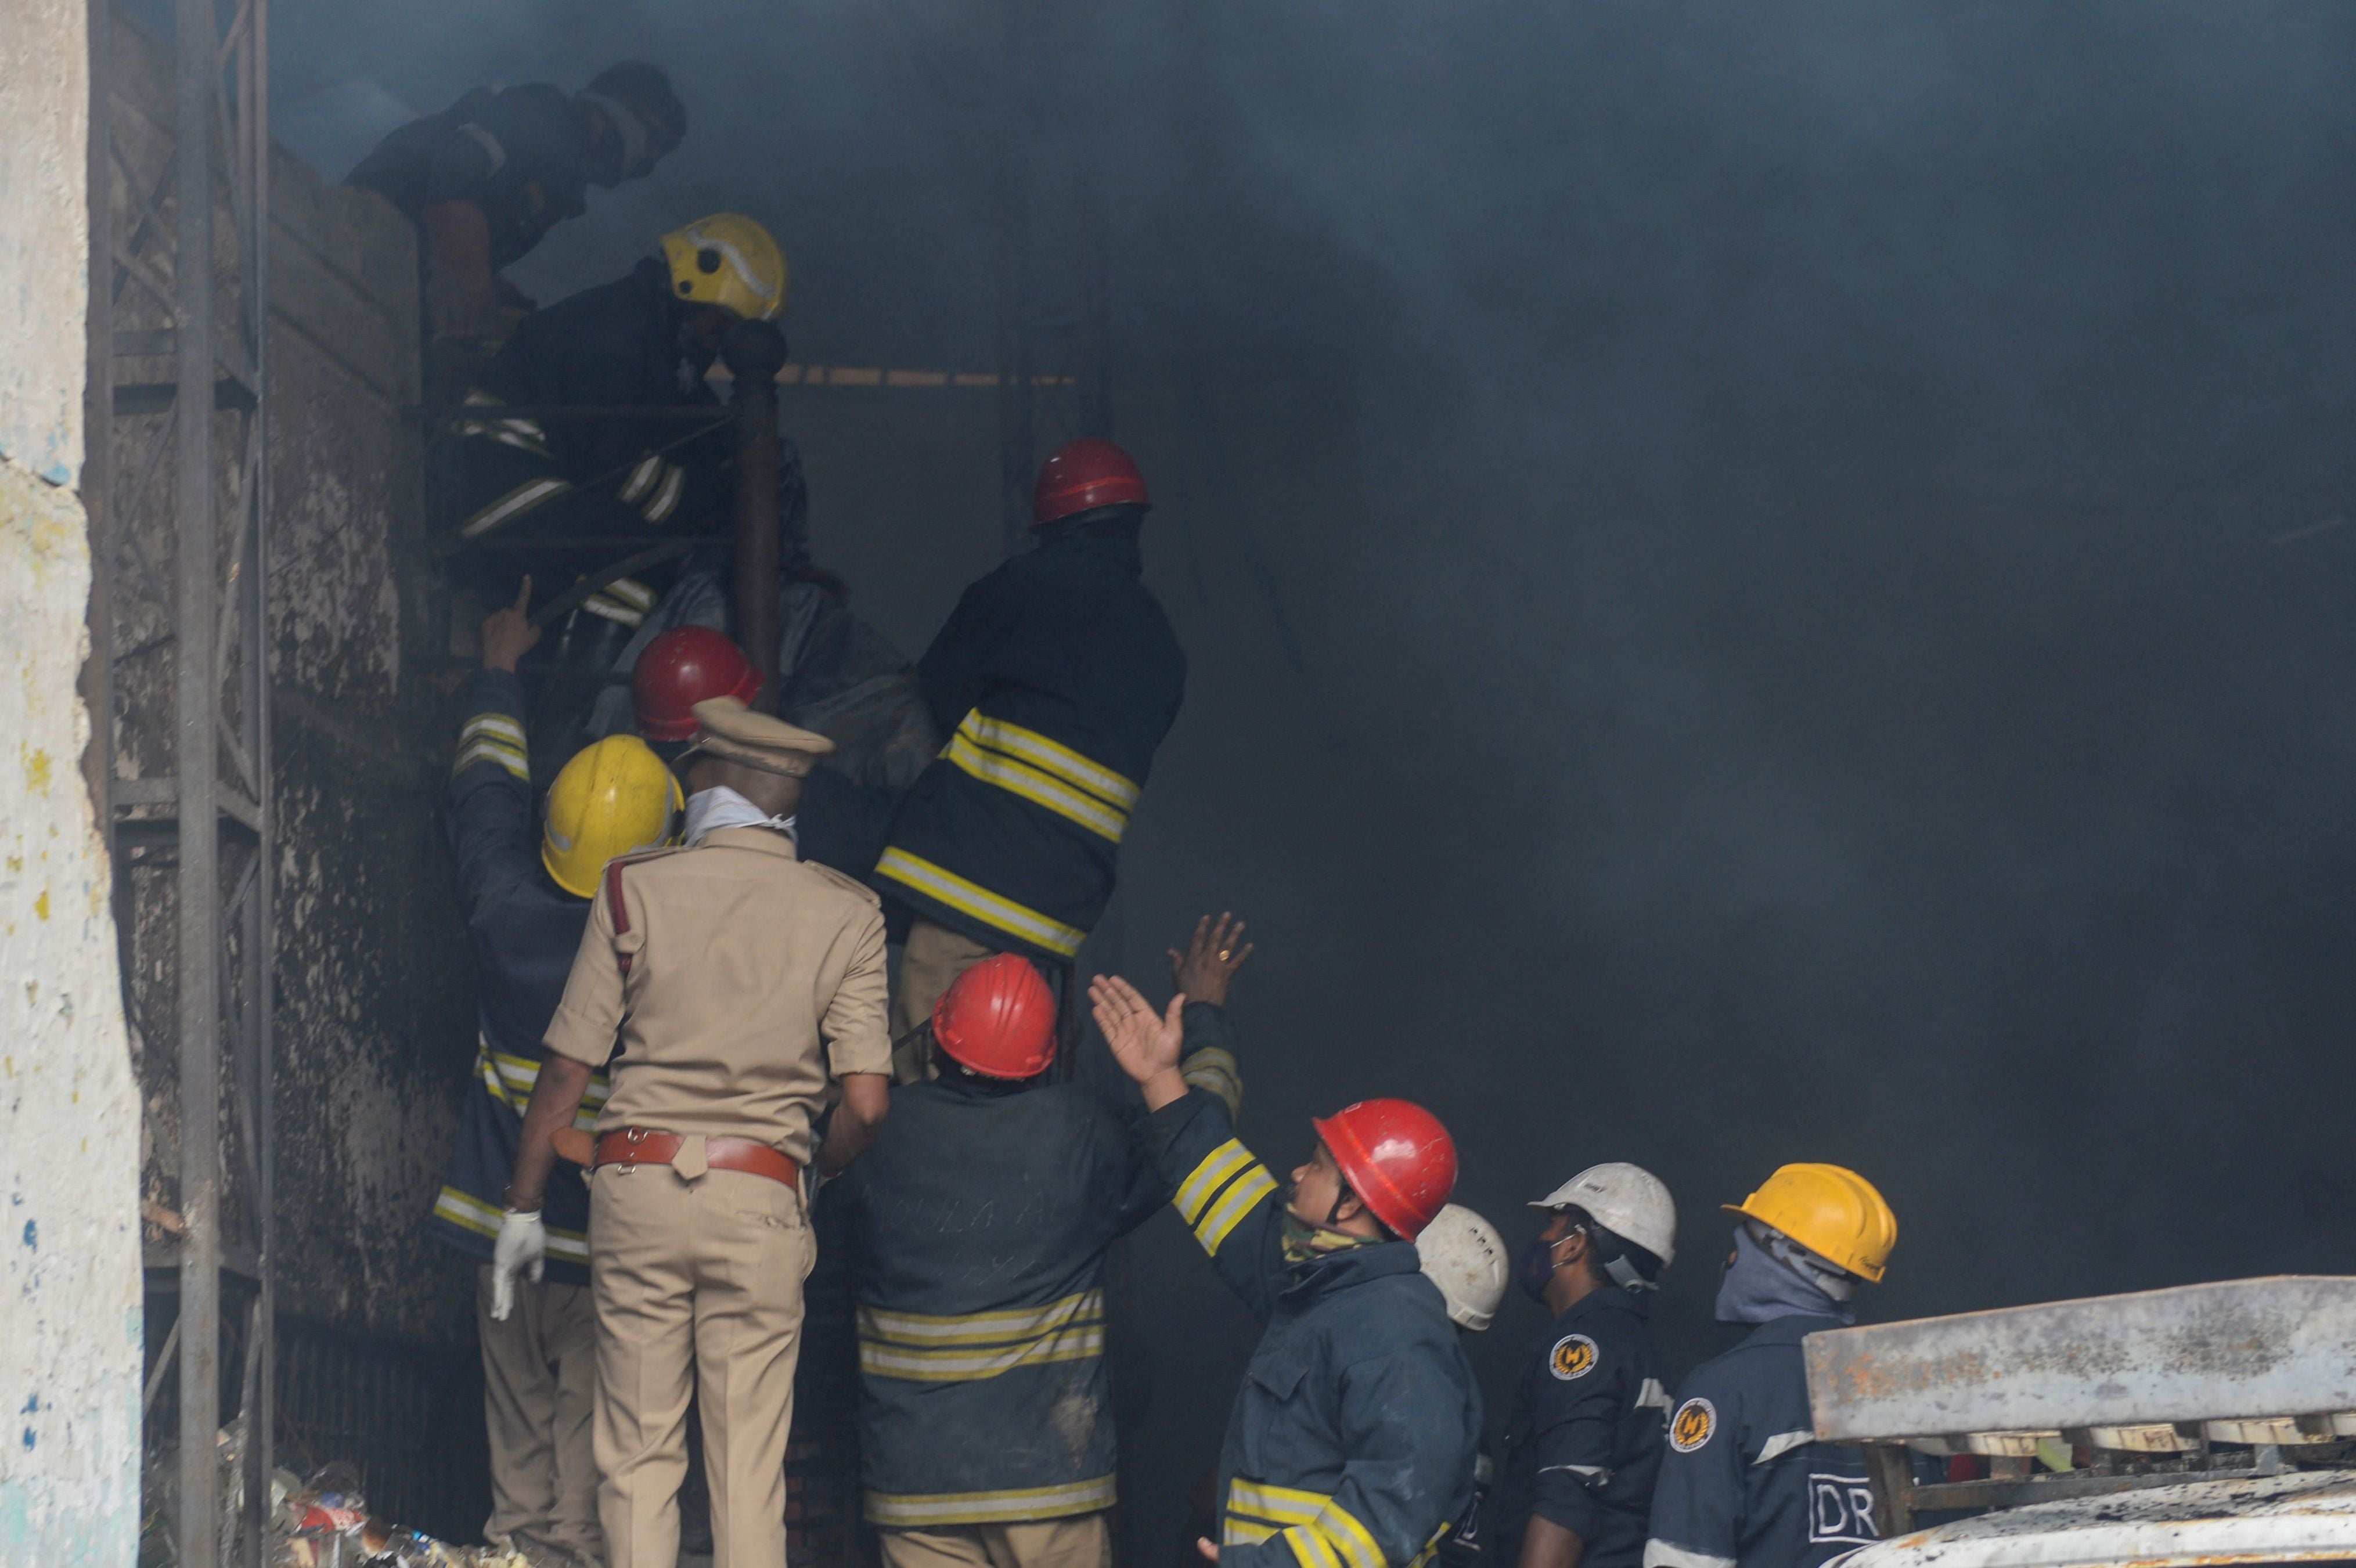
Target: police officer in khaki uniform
pixel 726 982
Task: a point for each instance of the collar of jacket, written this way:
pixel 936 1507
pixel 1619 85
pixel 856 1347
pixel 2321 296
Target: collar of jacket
pixel 1330 1271
pixel 767 840
pixel 1611 1298
pixel 1113 549
pixel 1792 1329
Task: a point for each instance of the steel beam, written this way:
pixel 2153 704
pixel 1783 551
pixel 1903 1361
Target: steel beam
pixel 196 713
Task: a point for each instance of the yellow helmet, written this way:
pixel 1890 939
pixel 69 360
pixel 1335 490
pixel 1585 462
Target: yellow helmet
pixel 729 259
pixel 614 797
pixel 1831 1211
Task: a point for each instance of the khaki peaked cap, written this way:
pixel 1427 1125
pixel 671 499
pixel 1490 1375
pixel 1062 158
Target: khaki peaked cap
pixel 726 727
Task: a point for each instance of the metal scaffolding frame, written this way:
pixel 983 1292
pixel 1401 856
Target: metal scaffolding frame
pixel 195 840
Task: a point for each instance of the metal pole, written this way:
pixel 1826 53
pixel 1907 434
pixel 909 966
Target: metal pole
pixel 262 1425
pixel 755 351
pixel 194 749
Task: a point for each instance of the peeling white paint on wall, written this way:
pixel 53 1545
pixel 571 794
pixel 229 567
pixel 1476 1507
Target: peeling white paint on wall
pixel 70 1284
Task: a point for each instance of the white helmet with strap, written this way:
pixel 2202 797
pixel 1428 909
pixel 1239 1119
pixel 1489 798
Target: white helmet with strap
pixel 1627 1200
pixel 1464 1254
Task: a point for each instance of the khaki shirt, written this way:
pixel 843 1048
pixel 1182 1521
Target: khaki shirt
pixel 754 977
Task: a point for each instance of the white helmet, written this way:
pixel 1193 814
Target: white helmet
pixel 1464 1255
pixel 1626 1200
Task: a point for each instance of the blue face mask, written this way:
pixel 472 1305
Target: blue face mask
pixel 1535 1268
pixel 1759 1288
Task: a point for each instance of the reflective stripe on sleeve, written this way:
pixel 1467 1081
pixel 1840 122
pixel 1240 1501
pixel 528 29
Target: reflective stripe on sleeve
pixel 493 753
pixel 1219 1191
pixel 513 505
pixel 914 1510
pixel 1782 1443
pixel 492 738
pixel 471 1213
pixel 1213 1070
pixel 1052 756
pixel 945 886
pixel 665 496
pixel 1659 1554
pixel 641 479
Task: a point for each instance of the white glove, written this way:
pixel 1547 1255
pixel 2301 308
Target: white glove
pixel 522 1247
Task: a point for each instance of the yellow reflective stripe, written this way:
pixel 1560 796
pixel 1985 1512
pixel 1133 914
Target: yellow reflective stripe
pixel 1080 1342
pixel 494 752
pixel 666 499
pixel 494 726
pixel 472 1213
pixel 1430 1549
pixel 1004 914
pixel 513 505
pixel 1244 1531
pixel 1053 756
pixel 1353 1540
pixel 915 1509
pixel 1214 1071
pixel 1280 1505
pixel 1227 1213
pixel 1311 1549
pixel 1216 1168
pixel 925 1329
pixel 509 1080
pixel 1037 788
pixel 641 479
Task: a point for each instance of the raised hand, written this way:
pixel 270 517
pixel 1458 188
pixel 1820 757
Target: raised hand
pixel 1146 1044
pixel 1208 966
pixel 508 633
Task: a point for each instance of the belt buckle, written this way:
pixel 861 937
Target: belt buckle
pixel 632 1137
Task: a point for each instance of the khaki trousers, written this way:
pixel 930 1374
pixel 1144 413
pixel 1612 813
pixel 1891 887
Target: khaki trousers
pixel 934 958
pixel 1080 1542
pixel 539 1383
pixel 698 1290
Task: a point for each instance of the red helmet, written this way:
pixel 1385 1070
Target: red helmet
pixel 1397 1156
pixel 1081 474
pixel 998 1019
pixel 679 669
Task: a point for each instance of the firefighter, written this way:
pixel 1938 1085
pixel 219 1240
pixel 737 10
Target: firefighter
pixel 732 983
pixel 1464 1255
pixel 646 340
pixel 1353 1440
pixel 680 668
pixel 1054 680
pixel 1744 1484
pixel 982 1215
pixel 1583 1441
pixel 525 893
pixel 484 180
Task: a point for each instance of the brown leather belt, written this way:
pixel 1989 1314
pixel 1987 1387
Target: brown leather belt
pixel 636 1146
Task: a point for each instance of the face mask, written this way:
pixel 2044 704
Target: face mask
pixel 709 810
pixel 1760 1287
pixel 1306 1239
pixel 1535 1268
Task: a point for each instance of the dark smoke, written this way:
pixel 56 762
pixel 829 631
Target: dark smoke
pixel 1753 572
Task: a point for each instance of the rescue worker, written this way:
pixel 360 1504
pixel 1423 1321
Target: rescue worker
pixel 1054 679
pixel 1744 1484
pixel 982 1215
pixel 1464 1255
pixel 484 180
pixel 680 668
pixel 1583 1441
pixel 732 983
pixel 646 340
pixel 1353 1439
pixel 525 894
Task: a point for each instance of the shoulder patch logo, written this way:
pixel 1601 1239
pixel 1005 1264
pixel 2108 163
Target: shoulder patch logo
pixel 1573 1356
pixel 1693 1424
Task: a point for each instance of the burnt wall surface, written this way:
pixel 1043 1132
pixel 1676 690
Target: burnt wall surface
pixel 373 1004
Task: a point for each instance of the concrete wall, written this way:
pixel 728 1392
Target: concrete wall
pixel 70 1302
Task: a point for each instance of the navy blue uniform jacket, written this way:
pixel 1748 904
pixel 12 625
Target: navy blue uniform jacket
pixel 1055 680
pixel 1744 1483
pixel 1583 1442
pixel 1353 1438
pixel 525 930
pixel 981 1217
